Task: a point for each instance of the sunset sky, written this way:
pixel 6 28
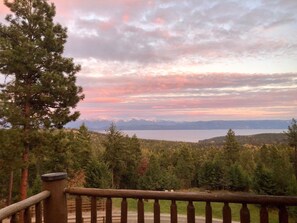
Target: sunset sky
pixel 183 60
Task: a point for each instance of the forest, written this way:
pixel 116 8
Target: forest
pixel 115 160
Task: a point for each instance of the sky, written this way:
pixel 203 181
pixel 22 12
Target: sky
pixel 183 60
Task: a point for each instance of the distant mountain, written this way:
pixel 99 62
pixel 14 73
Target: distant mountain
pixel 139 124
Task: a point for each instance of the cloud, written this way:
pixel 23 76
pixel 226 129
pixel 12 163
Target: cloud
pixel 183 59
pixel 166 31
pixel 151 31
pixel 148 97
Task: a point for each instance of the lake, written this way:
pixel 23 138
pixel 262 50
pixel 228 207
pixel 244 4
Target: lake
pixel 194 135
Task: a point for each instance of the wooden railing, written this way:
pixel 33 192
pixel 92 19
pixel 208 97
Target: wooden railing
pixel 23 207
pixel 50 205
pixel 281 202
pixel 55 204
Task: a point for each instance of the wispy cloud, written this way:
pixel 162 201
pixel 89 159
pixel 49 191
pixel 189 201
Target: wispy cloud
pixel 157 31
pixel 183 59
pixel 192 94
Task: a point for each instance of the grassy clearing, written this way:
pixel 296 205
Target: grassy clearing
pixel 200 209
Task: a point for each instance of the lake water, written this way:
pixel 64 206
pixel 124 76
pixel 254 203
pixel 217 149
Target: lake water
pixel 194 135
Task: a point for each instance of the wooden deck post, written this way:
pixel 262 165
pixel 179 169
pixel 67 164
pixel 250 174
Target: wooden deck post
pixel 55 207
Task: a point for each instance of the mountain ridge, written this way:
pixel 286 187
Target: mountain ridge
pixel 140 124
pixel 255 139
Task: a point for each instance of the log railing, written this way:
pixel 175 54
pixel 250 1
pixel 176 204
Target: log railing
pixel 281 202
pixel 50 205
pixel 55 205
pixel 23 207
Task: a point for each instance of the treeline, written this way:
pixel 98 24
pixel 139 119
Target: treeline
pixel 265 170
pixel 256 140
pixel 54 151
pixel 116 160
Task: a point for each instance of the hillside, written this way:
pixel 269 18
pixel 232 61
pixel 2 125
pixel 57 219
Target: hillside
pixel 257 140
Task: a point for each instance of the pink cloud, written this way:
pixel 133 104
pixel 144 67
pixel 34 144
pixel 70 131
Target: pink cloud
pixel 3 10
pixel 159 21
pixel 103 100
pixel 106 25
pixel 150 31
pixel 184 96
pixel 152 38
pixel 126 18
pixel 135 85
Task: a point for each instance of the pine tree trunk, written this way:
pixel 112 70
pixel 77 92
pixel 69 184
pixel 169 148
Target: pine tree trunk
pixel 24 180
pixel 25 157
pixel 24 176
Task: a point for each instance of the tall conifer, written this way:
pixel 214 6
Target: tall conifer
pixel 231 148
pixel 40 88
pixel 292 140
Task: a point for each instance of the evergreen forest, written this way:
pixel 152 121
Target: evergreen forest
pixel 115 160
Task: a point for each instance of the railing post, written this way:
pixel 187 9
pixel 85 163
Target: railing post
pixel 55 207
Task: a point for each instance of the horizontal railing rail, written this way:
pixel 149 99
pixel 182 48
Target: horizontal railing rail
pixel 186 196
pixel 25 205
pixel 280 202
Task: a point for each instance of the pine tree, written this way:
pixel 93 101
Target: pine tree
pixel 157 177
pixel 292 139
pixel 132 159
pixel 81 147
pixel 40 88
pixel 122 155
pixel 231 148
pixel 97 174
pixel 212 175
pixel 184 167
pixel 274 173
pixel 9 161
pixel 114 154
pixel 237 178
